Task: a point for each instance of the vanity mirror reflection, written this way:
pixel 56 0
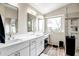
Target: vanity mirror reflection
pixel 31 23
pixel 9 14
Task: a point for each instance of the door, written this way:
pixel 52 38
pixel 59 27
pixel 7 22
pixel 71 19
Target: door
pixel 24 51
pixel 40 45
pixel 33 49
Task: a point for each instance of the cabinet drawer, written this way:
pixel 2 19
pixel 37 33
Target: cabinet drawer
pixel 40 43
pixel 33 52
pixel 33 41
pixel 12 49
pixel 33 47
pixel 24 52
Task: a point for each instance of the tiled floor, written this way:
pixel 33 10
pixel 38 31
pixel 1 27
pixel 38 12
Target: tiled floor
pixel 77 53
pixel 51 51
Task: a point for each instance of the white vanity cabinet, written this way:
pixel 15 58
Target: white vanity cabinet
pixel 36 46
pixel 16 49
pixel 24 51
pixel 33 47
pixel 40 45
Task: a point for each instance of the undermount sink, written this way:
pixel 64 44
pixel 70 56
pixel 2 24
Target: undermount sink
pixel 12 41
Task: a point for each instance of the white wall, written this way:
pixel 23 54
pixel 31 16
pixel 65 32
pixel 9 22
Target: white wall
pixel 22 17
pixel 56 37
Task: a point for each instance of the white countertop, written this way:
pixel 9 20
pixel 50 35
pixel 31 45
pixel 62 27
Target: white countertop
pixel 19 39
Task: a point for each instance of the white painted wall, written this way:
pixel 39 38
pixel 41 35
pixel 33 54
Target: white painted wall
pixel 22 17
pixel 56 37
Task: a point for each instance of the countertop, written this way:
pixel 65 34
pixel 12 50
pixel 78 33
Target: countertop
pixel 20 39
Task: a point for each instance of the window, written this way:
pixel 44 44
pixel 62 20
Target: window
pixel 55 24
pixel 41 25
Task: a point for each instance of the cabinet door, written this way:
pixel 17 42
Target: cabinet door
pixel 33 47
pixel 40 45
pixel 24 52
pixel 33 50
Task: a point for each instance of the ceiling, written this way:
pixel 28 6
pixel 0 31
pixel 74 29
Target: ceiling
pixel 45 8
pixel 10 6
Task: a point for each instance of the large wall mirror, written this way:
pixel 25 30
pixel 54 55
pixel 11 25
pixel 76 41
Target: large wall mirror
pixel 31 23
pixel 10 18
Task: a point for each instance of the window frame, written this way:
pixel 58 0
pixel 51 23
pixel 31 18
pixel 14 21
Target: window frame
pixel 40 30
pixel 62 24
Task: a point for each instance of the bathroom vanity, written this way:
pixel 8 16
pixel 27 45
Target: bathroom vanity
pixel 29 45
pixel 16 43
